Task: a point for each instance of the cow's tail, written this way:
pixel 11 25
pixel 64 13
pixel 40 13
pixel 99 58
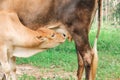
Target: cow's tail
pixel 99 23
pixel 95 56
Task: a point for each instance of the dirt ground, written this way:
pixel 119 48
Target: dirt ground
pixel 42 73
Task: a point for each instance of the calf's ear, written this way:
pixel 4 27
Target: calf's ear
pixel 58 28
pixel 54 27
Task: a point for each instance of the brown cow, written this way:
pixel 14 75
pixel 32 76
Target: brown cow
pixel 76 15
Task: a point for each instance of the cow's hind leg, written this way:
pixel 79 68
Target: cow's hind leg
pixel 91 60
pixel 86 58
pixel 94 60
pixel 84 52
pixel 80 66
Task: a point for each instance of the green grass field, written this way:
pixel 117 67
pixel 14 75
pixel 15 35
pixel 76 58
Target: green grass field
pixel 64 57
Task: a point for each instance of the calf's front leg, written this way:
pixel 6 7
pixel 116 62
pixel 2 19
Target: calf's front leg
pixel 13 68
pixel 4 62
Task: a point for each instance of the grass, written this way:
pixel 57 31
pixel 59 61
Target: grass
pixel 64 57
pixel 26 77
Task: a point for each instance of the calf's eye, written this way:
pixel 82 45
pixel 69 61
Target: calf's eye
pixel 53 35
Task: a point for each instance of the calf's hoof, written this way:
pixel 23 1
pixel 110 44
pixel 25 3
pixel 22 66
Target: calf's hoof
pixel 4 77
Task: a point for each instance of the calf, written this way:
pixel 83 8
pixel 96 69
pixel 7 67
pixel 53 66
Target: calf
pixel 16 40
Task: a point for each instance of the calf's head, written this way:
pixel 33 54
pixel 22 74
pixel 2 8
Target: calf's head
pixel 51 38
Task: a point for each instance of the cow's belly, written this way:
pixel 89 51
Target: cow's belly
pixel 39 13
pixel 35 25
pixel 32 14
